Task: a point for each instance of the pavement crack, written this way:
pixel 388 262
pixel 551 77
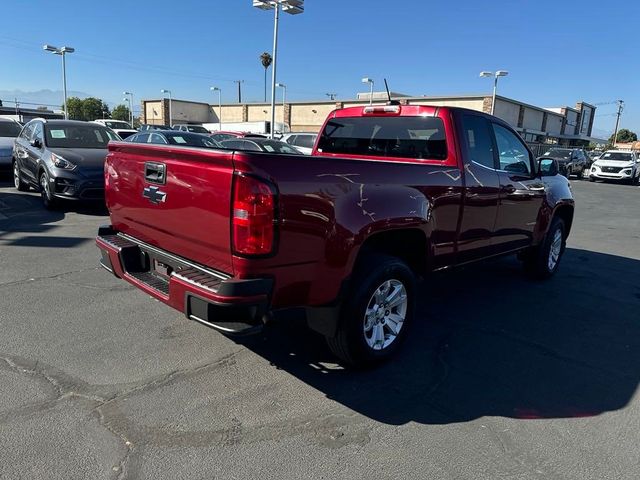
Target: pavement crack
pixel 45 277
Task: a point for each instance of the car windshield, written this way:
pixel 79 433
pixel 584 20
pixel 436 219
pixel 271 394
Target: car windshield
pixel 404 137
pixel 78 136
pixel 558 153
pixel 275 146
pixel 190 140
pixel 220 137
pixel 116 124
pixel 9 129
pixel 617 156
pixel 197 129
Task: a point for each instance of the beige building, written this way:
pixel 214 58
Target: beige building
pixel 562 125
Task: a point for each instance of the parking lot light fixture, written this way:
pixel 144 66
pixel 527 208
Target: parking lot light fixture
pixel 495 76
pixel 284 100
pixel 62 52
pixel 219 90
pixel 130 105
pixel 292 7
pixel 170 104
pixel 370 82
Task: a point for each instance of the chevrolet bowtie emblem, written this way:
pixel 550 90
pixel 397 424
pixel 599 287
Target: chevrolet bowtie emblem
pixel 154 195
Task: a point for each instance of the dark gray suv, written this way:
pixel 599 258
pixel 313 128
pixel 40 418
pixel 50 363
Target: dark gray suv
pixel 63 159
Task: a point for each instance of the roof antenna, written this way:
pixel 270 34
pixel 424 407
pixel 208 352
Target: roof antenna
pixel 389 101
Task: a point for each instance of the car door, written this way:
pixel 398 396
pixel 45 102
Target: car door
pixel 521 191
pixel 34 152
pixel 21 152
pixel 481 190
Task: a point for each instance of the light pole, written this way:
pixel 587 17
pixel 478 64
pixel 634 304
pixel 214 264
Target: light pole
pixel 292 7
pixel 499 73
pixel 170 104
pixel 370 82
pixel 62 52
pixel 284 100
pixel 126 99
pixel 130 105
pixel 219 90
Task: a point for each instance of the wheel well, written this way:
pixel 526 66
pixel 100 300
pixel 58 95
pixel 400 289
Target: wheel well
pixel 565 212
pixel 410 245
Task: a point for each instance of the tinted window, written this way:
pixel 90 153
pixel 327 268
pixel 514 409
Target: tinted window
pixel 142 138
pixel 197 129
pixel 246 145
pixel 403 137
pixel 78 136
pixel 190 139
pixel 116 124
pixel 27 131
pixel 275 146
pixel 291 140
pixel 37 131
pixel 9 129
pixel 220 137
pixel 477 136
pixel 619 156
pixel 157 139
pixel 305 141
pixel 513 155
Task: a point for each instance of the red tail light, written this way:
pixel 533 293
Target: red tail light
pixel 253 216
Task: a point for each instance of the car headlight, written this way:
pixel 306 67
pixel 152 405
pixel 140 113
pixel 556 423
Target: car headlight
pixel 626 171
pixel 60 162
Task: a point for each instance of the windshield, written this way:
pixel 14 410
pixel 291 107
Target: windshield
pixel 78 136
pixel 197 129
pixel 617 156
pixel 116 124
pixel 404 137
pixel 558 153
pixel 272 146
pixel 9 129
pixel 186 140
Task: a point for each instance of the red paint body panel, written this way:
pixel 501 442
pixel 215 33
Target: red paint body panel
pixel 328 205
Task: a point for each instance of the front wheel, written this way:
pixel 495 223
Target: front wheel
pixel 377 313
pixel 17 178
pixel 48 200
pixel 542 262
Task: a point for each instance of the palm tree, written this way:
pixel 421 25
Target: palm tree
pixel 266 60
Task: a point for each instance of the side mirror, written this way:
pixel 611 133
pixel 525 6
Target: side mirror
pixel 547 167
pixel 35 143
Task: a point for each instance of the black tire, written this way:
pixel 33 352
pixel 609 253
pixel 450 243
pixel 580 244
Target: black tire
pixel 18 183
pixel 48 200
pixel 591 179
pixel 350 344
pixel 537 260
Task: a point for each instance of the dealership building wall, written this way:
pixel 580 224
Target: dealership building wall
pixel 561 125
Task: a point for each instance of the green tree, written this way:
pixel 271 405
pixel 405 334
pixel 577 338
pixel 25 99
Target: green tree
pixel 121 112
pixel 94 108
pixel 266 60
pixel 74 108
pixel 624 136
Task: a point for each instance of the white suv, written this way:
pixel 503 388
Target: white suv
pixel 302 141
pixel 616 165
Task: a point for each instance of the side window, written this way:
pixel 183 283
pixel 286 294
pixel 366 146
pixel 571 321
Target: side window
pixel 305 141
pixel 478 140
pixel 292 139
pixel 513 155
pixel 142 138
pixel 157 139
pixel 27 131
pixel 38 131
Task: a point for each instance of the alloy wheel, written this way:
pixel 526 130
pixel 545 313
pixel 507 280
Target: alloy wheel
pixel 385 314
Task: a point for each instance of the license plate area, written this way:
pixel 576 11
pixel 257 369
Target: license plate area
pixel 161 269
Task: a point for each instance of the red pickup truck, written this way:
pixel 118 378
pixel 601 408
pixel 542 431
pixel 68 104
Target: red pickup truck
pixel 391 192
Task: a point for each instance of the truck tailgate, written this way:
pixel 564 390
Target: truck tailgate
pixel 177 199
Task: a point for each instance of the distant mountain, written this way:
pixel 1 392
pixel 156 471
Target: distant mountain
pixel 49 98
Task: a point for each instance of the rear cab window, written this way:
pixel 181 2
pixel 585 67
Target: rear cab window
pixel 415 137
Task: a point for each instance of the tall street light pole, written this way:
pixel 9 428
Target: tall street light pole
pixel 499 73
pixel 284 101
pixel 170 104
pixel 219 90
pixel 370 82
pixel 292 7
pixel 130 105
pixel 62 52
pixel 126 99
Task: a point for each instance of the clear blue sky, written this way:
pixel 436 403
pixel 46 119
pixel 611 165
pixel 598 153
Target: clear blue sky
pixel 557 52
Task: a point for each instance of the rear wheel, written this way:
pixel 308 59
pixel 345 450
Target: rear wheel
pixel 542 262
pixel 48 200
pixel 17 178
pixel 377 313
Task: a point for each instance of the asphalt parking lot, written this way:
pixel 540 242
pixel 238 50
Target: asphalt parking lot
pixel 502 378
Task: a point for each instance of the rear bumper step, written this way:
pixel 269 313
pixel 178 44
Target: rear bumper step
pixel 202 294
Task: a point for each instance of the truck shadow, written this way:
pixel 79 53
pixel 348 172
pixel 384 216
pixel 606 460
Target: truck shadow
pixel 489 342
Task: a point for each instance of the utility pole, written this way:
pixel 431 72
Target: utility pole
pixel 239 82
pixel 615 134
pixel 16 101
